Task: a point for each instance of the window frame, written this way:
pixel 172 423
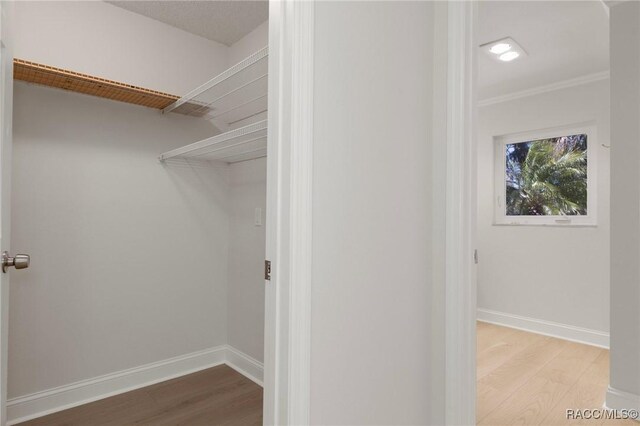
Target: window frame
pixel 500 183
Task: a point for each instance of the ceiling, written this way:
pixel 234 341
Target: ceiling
pixel 223 21
pixel 563 40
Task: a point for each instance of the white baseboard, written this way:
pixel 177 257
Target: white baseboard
pixel 39 404
pixel 245 365
pixel 620 400
pixel 548 328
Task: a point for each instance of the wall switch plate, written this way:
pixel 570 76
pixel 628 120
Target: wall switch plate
pixel 257 216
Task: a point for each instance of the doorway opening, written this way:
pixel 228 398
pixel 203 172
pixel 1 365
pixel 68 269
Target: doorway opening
pixel 542 140
pixel 140 190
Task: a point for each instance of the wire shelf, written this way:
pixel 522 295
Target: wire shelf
pixel 235 95
pixel 244 143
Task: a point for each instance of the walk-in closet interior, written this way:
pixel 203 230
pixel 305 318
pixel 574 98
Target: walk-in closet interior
pixel 139 190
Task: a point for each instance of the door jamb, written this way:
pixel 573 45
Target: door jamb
pixel 6 113
pixel 460 284
pixel 289 226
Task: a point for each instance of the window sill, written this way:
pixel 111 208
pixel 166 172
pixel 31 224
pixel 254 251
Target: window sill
pixel 553 225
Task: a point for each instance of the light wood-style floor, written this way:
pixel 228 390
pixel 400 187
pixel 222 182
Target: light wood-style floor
pixel 216 396
pixel 530 379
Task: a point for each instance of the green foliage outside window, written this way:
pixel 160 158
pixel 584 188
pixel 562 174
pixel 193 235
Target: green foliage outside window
pixel 547 177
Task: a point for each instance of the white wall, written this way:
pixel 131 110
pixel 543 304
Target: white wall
pixel 625 206
pixel 129 256
pixel 247 242
pixel 558 274
pixel 247 191
pixel 100 39
pixel 371 291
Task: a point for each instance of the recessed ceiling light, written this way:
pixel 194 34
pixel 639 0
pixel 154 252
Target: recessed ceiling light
pixel 503 50
pixel 509 56
pixel 500 48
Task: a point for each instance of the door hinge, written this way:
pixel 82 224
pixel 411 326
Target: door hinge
pixel 475 256
pixel 267 270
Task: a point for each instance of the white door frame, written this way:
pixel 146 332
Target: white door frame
pixel 6 114
pixel 289 209
pixel 460 285
pixel 289 194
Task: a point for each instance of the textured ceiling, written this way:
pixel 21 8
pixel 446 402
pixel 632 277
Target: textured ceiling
pixel 223 21
pixel 563 40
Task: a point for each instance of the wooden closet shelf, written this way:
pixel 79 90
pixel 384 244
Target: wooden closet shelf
pixel 82 83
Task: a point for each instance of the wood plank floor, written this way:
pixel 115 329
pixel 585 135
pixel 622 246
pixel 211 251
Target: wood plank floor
pixel 530 379
pixel 216 396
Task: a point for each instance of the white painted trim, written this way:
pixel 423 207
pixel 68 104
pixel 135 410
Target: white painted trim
pixel 289 227
pixel 6 146
pixel 301 215
pixel 620 400
pixel 249 367
pixel 272 318
pixel 547 328
pixel 565 84
pixel 460 304
pixel 63 397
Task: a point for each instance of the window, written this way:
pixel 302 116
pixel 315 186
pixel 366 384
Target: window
pixel 546 177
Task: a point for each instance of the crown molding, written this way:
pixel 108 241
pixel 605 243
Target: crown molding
pixel 578 81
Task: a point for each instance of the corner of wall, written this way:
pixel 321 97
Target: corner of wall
pixel 622 401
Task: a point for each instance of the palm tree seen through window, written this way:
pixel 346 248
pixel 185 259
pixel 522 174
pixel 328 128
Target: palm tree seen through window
pixel 547 177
